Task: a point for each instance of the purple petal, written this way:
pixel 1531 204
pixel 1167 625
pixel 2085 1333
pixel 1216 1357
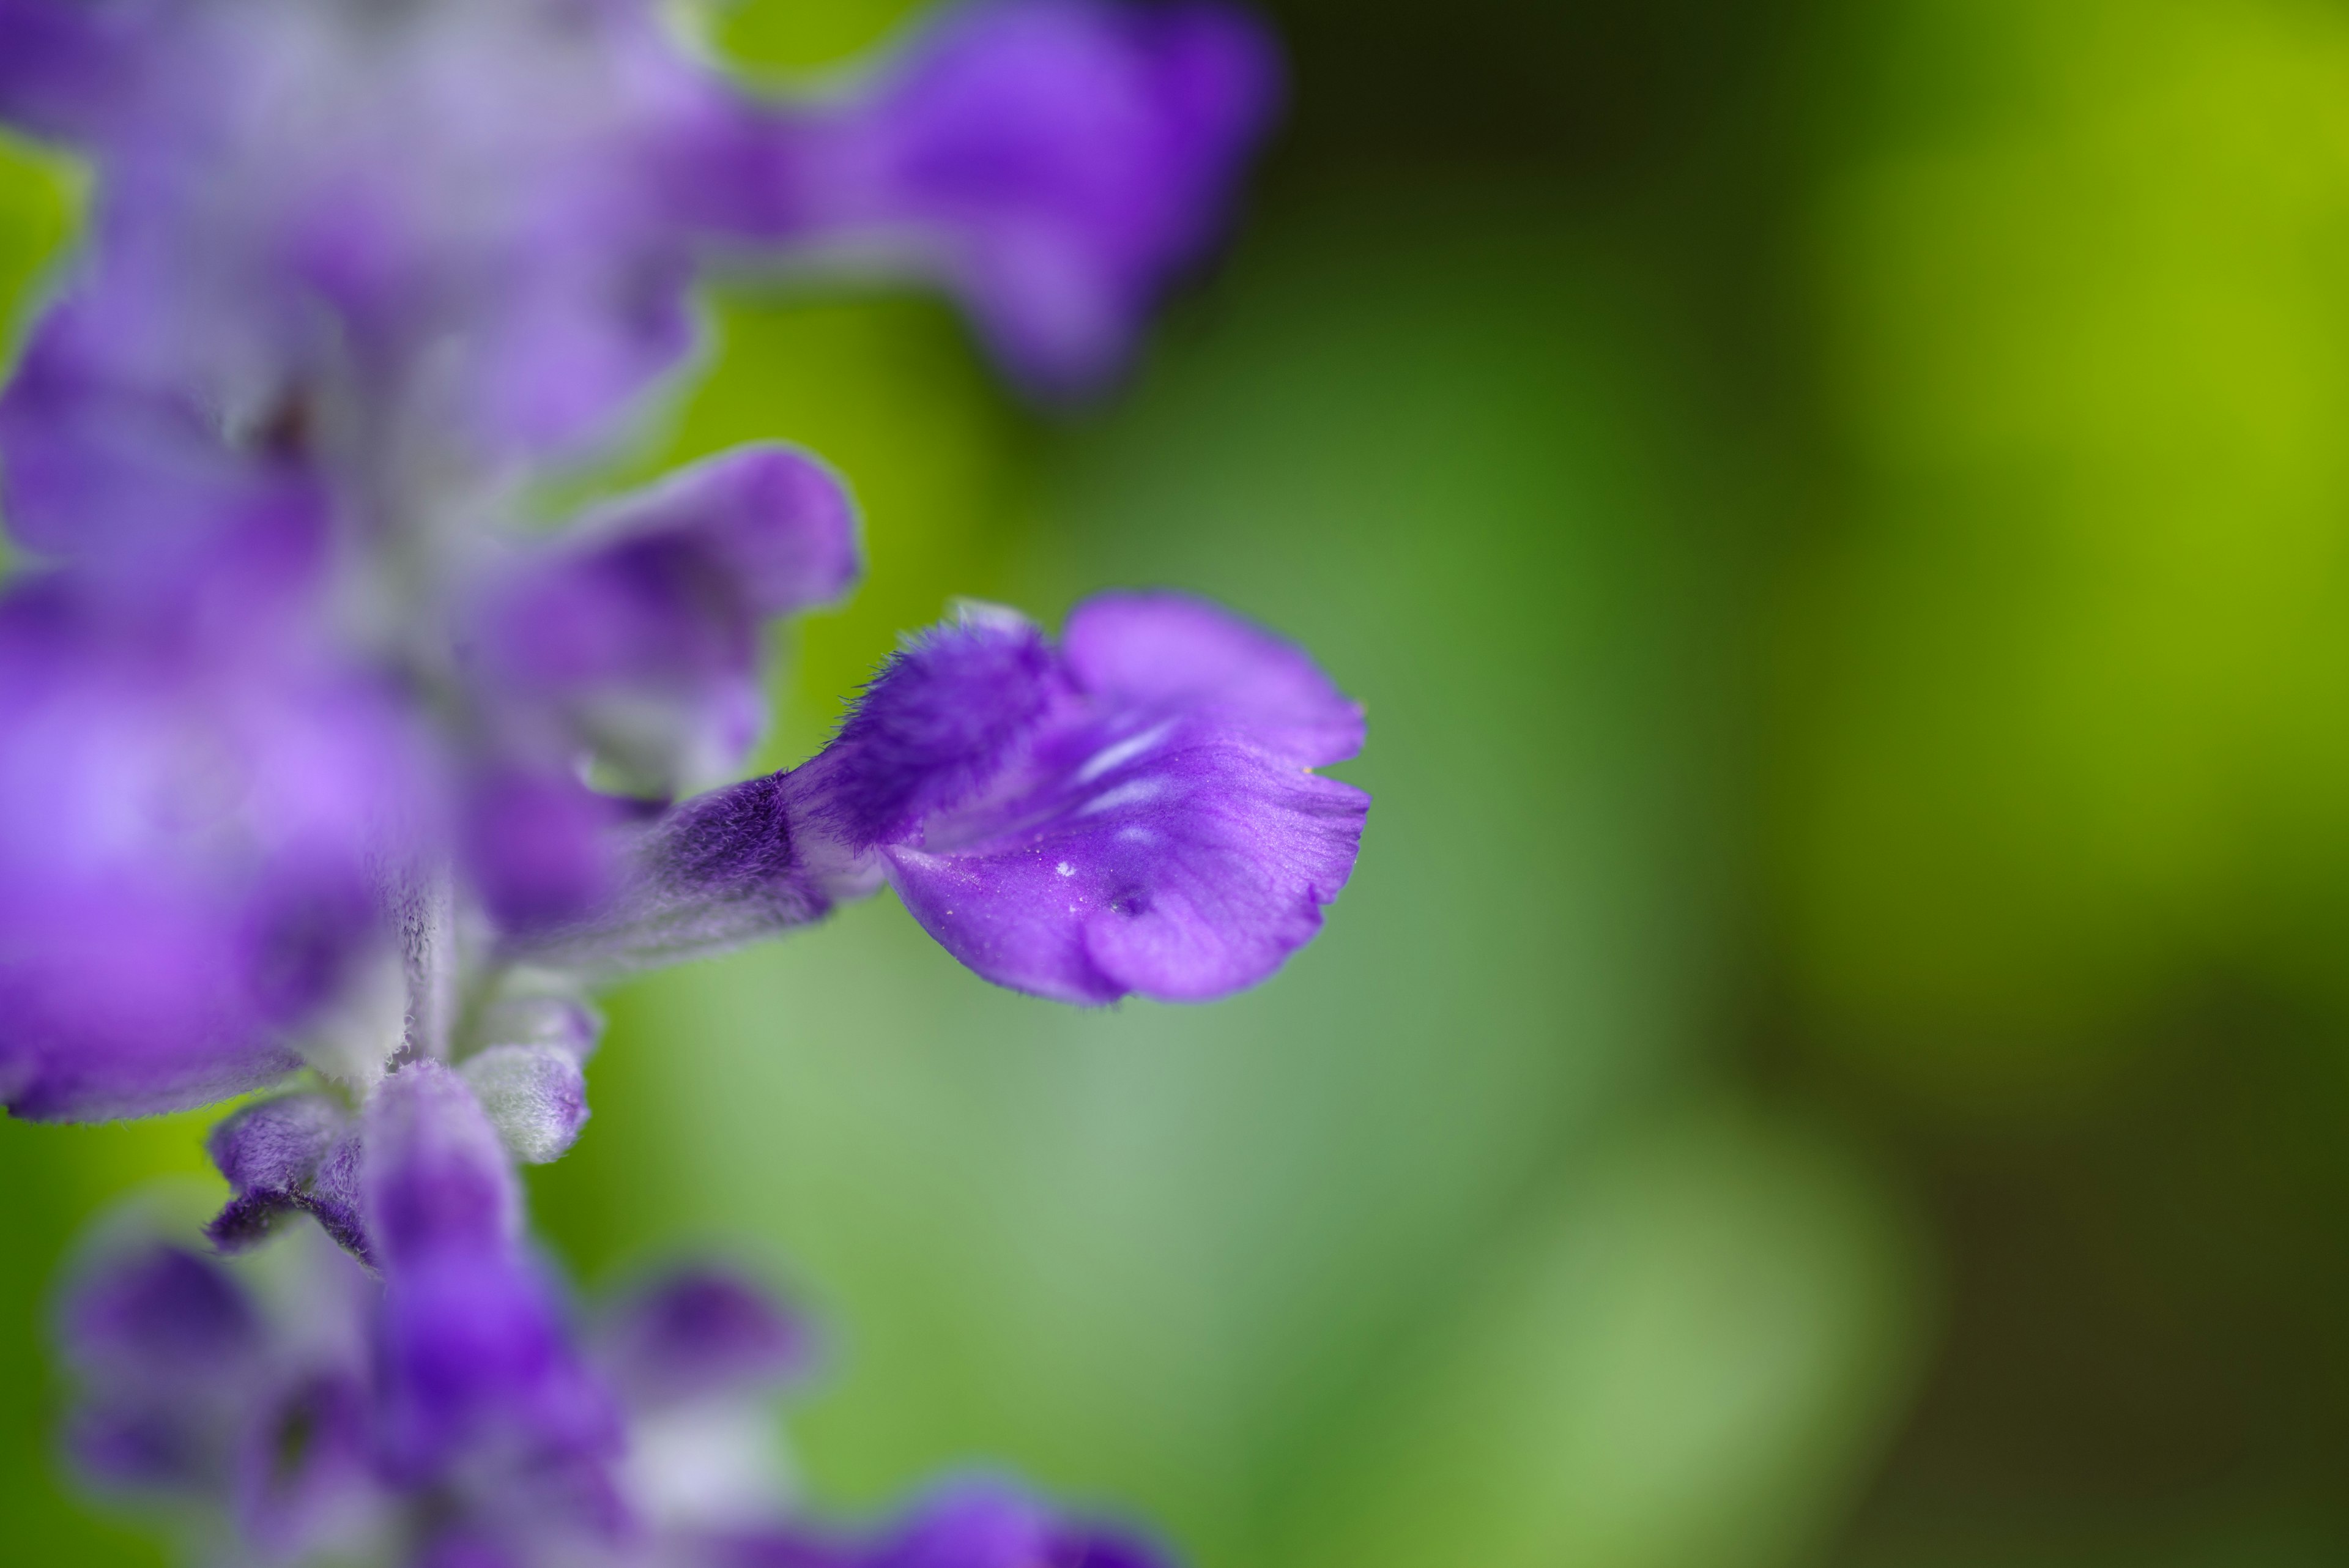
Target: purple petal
pixel 473 1348
pixel 698 1332
pixel 436 1182
pixel 775 522
pixel 276 1144
pixel 1132 816
pixel 1053 161
pixel 62 62
pixel 986 1524
pixel 191 801
pixel 1171 652
pixel 1186 874
pixel 142 1445
pixel 538 845
pixel 304 1452
pixel 158 1315
pixel 944 718
pixel 101 461
pixel 535 1096
pixel 268 1153
pixel 645 637
pixel 335 1199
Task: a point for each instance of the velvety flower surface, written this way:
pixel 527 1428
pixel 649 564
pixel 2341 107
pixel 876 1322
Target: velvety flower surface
pixel 1149 824
pixel 1133 810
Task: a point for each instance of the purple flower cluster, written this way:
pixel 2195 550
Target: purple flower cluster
pixel 325 771
pixel 305 1409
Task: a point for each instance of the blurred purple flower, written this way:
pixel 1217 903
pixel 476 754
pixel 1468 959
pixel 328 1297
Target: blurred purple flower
pixel 1051 162
pixel 408 247
pixel 201 803
pixel 289 1404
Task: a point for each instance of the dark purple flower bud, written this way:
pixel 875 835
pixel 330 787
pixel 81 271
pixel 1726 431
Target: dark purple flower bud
pixel 719 870
pixel 942 722
pixel 472 1346
pixel 698 1333
pixel 270 1153
pixel 1052 161
pixel 640 636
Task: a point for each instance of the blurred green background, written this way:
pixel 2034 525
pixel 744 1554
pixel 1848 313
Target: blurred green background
pixel 1837 1050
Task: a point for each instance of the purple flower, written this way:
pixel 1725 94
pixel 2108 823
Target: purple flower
pixel 1051 162
pixel 405 249
pixel 197 805
pixel 447 227
pixel 284 1400
pixel 472 1343
pixel 983 1523
pixel 1132 811
pixel 316 754
pixel 637 639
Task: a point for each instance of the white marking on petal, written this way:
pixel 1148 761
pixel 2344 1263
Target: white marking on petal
pixel 1124 751
pixel 1130 793
pixel 1065 869
pixel 1136 836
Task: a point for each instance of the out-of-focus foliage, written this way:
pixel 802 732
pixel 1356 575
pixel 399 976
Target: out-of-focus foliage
pixel 2069 673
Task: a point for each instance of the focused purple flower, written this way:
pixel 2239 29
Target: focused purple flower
pixel 1132 811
